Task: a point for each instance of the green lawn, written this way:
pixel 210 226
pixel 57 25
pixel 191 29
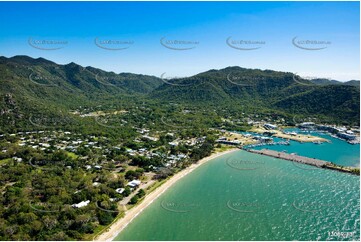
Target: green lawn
pixel 72 155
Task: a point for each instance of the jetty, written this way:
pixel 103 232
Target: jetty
pixel 305 160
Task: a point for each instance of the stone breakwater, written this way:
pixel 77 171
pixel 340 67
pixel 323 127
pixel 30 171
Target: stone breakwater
pixel 304 160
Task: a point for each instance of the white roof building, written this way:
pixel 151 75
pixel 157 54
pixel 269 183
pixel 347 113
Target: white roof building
pixel 18 159
pixel 81 204
pixel 270 126
pixel 134 183
pixel 173 143
pixel 119 190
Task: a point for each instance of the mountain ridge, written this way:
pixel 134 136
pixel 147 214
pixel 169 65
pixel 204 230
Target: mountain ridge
pixel 39 83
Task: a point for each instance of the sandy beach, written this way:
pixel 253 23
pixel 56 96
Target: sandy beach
pixel 121 223
pixel 298 137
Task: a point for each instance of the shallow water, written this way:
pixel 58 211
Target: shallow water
pixel 244 196
pixel 338 151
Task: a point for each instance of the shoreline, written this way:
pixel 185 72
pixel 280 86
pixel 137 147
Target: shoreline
pixel 131 214
pixel 298 137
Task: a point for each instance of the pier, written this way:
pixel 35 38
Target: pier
pixel 305 160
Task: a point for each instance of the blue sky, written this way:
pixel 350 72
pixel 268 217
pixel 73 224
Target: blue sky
pixel 207 25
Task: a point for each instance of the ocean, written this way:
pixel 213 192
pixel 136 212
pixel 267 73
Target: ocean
pixel 245 196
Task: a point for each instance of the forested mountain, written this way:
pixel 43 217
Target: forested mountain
pixel 38 85
pixel 31 86
pixel 353 83
pixel 268 89
pixel 69 84
pixel 321 81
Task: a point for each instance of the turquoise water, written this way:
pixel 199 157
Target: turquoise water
pixel 338 151
pixel 245 196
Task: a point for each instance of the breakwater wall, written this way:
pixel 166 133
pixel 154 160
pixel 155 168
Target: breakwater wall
pixel 305 160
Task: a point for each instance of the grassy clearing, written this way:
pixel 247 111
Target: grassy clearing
pixel 72 155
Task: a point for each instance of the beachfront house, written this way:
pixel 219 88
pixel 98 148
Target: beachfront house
pixel 81 204
pixel 134 183
pixel 120 190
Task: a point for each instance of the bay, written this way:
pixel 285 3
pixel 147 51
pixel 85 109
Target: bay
pixel 245 196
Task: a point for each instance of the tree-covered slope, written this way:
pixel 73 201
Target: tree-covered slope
pixel 264 88
pixel 30 86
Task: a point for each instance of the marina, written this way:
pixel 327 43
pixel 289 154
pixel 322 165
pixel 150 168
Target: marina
pixel 348 154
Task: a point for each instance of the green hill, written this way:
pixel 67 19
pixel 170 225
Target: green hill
pixel 31 87
pixel 264 89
